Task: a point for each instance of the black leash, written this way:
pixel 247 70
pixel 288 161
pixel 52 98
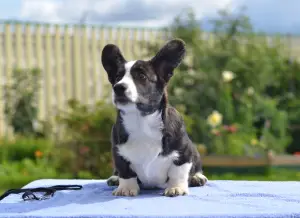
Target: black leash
pixel 48 192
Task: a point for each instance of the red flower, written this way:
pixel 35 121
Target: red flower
pixel 231 128
pixel 226 127
pixel 216 132
pixel 84 149
pixel 297 153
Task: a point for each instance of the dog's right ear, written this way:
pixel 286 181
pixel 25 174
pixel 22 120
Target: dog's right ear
pixel 112 61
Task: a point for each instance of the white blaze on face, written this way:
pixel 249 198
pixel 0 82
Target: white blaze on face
pixel 127 80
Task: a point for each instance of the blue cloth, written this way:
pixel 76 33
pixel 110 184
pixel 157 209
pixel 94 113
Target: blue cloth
pixel 216 199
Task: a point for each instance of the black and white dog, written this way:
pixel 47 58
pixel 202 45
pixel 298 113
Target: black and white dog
pixel 150 145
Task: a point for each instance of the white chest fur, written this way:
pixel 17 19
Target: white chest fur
pixel 143 147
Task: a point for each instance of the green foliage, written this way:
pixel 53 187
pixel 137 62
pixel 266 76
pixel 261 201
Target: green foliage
pixel 23 148
pixel 19 173
pixel 273 175
pixel 235 73
pixel 86 145
pixel 21 107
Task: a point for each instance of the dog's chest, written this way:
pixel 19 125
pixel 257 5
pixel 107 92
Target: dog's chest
pixel 143 149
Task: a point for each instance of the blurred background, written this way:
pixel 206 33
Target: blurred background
pixel 238 88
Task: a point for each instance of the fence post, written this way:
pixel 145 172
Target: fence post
pixel 76 63
pixel 95 67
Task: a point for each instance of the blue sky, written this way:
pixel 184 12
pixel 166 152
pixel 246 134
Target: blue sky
pixel 10 9
pixel 266 15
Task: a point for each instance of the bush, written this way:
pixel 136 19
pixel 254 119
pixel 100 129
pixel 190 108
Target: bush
pixel 229 82
pixel 19 173
pixel 85 150
pixel 24 148
pixel 21 106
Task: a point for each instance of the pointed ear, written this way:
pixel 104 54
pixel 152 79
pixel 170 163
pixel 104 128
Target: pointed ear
pixel 112 60
pixel 168 58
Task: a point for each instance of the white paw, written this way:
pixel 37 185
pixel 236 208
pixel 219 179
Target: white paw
pixel 127 187
pixel 176 191
pixel 122 191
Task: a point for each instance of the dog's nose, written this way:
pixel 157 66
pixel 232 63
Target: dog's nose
pixel 120 88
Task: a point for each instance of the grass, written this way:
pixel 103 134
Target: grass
pixel 273 175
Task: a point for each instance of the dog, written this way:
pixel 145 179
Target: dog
pixel 150 145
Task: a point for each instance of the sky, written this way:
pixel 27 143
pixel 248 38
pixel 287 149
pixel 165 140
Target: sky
pixel 271 16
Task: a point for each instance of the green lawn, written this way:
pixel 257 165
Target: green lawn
pixel 273 175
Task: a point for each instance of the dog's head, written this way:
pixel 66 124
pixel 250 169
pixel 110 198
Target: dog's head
pixel 140 84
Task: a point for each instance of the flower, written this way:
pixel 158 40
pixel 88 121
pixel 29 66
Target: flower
pixel 202 149
pixel 214 119
pixel 250 91
pixel 178 91
pixel 84 149
pixel 216 132
pixel 231 128
pixel 38 154
pixel 254 142
pixel 191 72
pixel 228 76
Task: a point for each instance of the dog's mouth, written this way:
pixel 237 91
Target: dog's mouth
pixel 123 100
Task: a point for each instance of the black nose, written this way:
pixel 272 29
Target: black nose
pixel 119 89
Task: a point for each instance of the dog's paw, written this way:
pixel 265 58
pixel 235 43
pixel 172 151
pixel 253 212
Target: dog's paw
pixel 113 181
pixel 198 180
pixel 127 187
pixel 176 191
pixel 126 191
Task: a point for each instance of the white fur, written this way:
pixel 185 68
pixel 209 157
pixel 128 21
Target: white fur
pixel 114 178
pixel 127 187
pixel 178 175
pixel 143 147
pixel 178 179
pixel 131 91
pixel 201 176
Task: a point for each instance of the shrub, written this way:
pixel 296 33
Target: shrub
pixel 232 74
pixel 21 107
pixel 86 145
pixel 21 148
pixel 18 173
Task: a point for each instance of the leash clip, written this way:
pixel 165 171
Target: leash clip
pixel 29 194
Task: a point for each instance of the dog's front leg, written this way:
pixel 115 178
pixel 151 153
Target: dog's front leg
pixel 178 180
pixel 114 179
pixel 128 184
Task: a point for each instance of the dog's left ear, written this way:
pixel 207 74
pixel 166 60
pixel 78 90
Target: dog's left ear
pixel 168 58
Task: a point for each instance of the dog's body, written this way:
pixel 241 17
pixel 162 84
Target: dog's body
pixel 150 144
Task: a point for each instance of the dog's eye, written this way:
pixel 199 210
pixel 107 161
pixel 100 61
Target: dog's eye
pixel 118 77
pixel 142 76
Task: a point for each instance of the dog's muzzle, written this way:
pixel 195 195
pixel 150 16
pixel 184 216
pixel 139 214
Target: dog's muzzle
pixel 120 93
